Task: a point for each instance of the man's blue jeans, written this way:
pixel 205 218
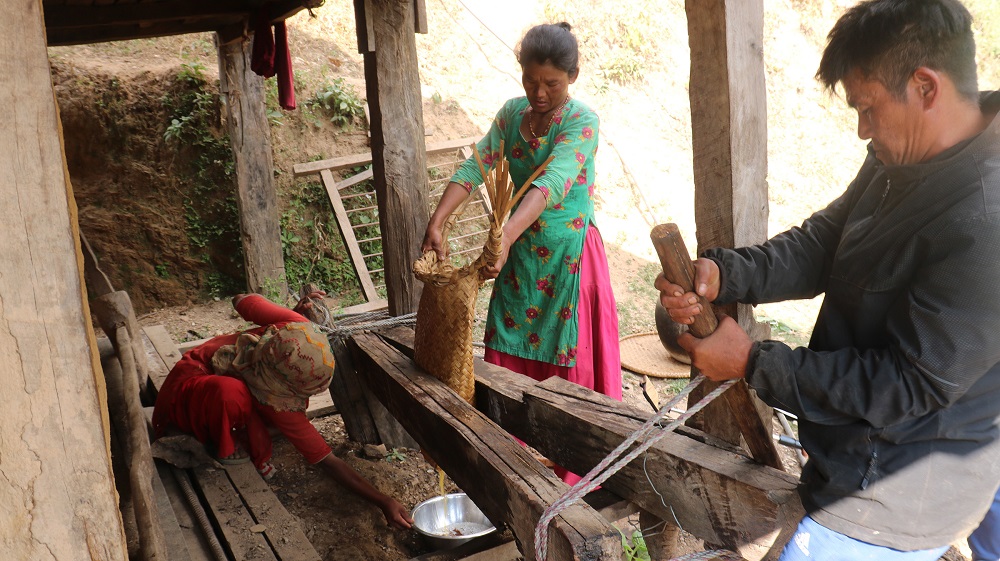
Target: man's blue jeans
pixel 813 542
pixel 985 541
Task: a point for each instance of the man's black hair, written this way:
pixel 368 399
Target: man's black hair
pixel 887 40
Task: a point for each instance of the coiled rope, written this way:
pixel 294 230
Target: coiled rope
pixel 609 466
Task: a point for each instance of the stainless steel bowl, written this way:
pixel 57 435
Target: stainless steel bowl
pixel 450 520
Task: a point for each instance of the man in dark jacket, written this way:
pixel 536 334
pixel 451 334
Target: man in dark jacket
pixel 898 393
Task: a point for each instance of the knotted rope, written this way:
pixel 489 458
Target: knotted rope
pixel 601 472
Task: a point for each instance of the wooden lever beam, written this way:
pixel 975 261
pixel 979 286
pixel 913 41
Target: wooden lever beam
pixel 679 269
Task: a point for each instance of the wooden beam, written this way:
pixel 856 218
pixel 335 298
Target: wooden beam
pixel 347 232
pixel 55 432
pixel 499 474
pixel 103 33
pixel 398 153
pixel 343 162
pixel 144 13
pixel 716 495
pixel 257 196
pixel 729 139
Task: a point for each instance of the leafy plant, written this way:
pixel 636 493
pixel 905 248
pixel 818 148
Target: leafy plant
pixel 207 169
pixel 340 102
pixel 395 455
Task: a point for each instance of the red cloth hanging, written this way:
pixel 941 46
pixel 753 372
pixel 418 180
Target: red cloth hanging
pixel 283 67
pixel 270 57
pixel 262 56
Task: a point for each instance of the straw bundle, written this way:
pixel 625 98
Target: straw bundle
pixel 443 339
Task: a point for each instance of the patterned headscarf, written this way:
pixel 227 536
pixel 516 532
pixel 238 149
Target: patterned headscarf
pixel 282 367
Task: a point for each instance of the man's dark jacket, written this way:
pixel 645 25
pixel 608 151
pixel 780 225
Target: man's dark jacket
pixel 898 393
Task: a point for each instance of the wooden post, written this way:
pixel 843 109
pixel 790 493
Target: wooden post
pixel 257 198
pixel 729 138
pixel 56 488
pixel 397 142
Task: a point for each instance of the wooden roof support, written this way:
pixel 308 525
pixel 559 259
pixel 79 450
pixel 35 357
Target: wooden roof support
pixel 397 142
pixel 257 197
pixel 57 487
pixel 729 137
pixel 498 474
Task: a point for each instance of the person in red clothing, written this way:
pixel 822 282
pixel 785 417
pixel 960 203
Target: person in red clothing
pixel 229 390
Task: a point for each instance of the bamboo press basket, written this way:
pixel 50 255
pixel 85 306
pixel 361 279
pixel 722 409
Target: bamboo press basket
pixel 443 335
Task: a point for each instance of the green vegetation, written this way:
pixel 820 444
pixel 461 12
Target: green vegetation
pixel 210 212
pixel 311 243
pixel 338 101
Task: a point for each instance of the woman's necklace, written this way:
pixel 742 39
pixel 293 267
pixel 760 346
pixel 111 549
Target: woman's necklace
pixel 556 111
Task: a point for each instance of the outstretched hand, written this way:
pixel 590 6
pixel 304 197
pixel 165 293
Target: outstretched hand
pixel 306 302
pixel 396 514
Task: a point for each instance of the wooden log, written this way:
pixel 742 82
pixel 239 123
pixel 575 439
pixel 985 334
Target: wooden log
pixel 57 487
pixel 257 198
pixel 678 269
pixel 141 472
pixel 398 154
pixel 729 139
pixel 112 311
pixel 500 475
pixel 716 495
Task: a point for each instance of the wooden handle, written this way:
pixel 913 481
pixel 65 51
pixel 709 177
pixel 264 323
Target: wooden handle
pixel 678 269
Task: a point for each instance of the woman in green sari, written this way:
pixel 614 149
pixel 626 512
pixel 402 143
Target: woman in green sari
pixel 552 312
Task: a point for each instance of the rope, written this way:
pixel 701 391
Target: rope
pixel 345 326
pixel 601 472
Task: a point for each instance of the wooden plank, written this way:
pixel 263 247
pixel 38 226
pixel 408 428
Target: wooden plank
pixel 158 369
pixel 164 345
pixel 354 160
pixel 366 307
pixel 355 179
pixel 55 433
pixel 197 546
pixel 280 528
pixel 321 405
pixel 499 474
pixel 729 140
pixel 256 193
pixel 716 495
pixel 174 539
pixel 350 241
pixel 231 516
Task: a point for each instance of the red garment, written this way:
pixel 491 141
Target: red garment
pixel 283 67
pixel 270 57
pixel 598 359
pixel 220 410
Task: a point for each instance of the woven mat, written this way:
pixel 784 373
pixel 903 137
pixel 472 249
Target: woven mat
pixel 643 353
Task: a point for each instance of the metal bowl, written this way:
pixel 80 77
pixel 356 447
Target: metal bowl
pixel 450 520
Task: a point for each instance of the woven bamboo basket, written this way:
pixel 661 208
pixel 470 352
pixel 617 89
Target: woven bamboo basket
pixel 443 335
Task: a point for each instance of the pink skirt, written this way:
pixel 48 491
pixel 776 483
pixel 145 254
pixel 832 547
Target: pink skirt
pixel 598 359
